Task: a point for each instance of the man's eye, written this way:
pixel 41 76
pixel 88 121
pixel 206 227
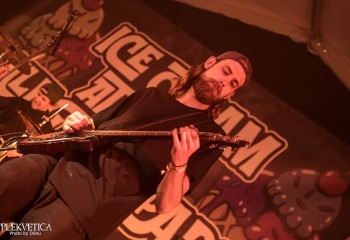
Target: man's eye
pixel 226 71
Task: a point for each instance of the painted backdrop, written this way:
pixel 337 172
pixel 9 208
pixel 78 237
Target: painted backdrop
pixel 288 185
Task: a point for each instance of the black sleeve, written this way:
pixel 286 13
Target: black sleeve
pixel 116 109
pixel 107 113
pixel 200 163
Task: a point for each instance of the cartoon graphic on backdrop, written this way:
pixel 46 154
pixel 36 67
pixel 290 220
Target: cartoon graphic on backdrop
pixel 248 200
pixel 245 199
pixel 302 198
pixel 296 204
pixel 269 226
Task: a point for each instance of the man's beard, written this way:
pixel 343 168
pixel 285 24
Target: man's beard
pixel 206 90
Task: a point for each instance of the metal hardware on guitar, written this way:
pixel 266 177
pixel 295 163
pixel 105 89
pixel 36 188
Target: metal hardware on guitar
pixel 10 143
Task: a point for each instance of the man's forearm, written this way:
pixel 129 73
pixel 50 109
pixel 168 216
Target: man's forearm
pixel 171 189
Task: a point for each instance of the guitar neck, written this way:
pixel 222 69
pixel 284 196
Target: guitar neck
pixel 136 134
pixel 86 140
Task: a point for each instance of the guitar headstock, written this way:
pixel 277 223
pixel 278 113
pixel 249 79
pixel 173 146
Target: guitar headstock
pixel 223 141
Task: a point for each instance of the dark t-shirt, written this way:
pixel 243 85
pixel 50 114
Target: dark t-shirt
pixel 10 121
pixel 103 187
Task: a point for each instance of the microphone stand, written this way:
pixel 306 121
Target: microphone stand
pixel 70 18
pixel 55 41
pixel 27 59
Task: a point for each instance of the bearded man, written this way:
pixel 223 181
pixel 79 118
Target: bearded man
pixel 89 194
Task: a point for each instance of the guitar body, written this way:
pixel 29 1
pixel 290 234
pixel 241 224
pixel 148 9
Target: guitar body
pixel 57 142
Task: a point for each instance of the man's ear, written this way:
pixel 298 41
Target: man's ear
pixel 210 62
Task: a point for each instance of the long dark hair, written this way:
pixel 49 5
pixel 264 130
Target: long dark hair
pixel 179 86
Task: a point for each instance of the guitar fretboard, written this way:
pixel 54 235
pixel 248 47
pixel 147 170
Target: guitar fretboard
pixel 117 133
pixel 217 139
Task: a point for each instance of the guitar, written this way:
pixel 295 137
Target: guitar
pixel 88 140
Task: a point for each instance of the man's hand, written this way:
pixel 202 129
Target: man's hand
pixel 185 145
pixel 76 122
pixel 13 154
pixel 175 183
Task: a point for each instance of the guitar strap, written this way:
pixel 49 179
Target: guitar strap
pixel 191 118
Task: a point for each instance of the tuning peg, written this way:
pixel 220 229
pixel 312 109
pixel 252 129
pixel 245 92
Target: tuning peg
pixel 219 146
pixel 234 149
pixel 215 145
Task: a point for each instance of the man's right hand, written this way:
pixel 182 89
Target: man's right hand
pixel 76 122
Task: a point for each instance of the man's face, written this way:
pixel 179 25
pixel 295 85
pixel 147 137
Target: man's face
pixel 219 81
pixel 40 102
